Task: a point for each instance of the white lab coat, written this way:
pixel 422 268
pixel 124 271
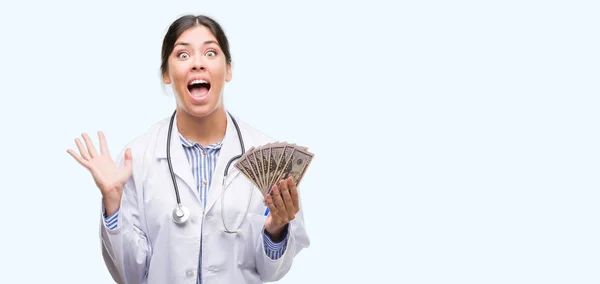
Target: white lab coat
pixel 148 247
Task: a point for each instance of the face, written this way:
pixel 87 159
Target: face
pixel 197 72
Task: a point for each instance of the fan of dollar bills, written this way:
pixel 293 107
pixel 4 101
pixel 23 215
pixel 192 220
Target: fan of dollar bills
pixel 270 163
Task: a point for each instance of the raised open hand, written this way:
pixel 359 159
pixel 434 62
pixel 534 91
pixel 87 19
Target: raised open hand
pixel 109 177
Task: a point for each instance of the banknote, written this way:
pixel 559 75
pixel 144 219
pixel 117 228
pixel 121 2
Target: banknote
pixel 296 165
pixel 266 152
pixel 254 166
pixel 287 153
pixel 243 165
pixel 274 156
pixel 266 165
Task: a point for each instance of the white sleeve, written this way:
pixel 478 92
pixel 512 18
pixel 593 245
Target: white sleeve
pixel 274 268
pixel 125 247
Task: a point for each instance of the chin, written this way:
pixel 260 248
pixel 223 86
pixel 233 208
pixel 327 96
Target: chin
pixel 202 110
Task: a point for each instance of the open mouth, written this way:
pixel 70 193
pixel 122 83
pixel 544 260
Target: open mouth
pixel 199 87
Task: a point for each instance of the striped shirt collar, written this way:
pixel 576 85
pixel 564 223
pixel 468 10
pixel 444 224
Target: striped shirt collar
pixel 189 144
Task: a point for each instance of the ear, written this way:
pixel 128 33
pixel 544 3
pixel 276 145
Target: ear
pixel 228 75
pixel 166 79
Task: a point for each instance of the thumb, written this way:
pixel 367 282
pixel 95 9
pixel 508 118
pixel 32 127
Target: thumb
pixel 128 158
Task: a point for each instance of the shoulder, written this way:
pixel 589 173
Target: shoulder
pixel 143 149
pixel 145 141
pixel 257 136
pixel 147 137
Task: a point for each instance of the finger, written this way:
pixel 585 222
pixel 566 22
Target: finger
pixel 287 200
pixel 276 195
pixel 294 194
pixel 103 144
pixel 82 150
pixel 78 158
pixel 279 203
pixel 128 159
pixel 273 210
pixel 271 205
pixel 127 165
pixel 89 145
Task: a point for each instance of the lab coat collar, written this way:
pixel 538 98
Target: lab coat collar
pixel 229 149
pixel 181 167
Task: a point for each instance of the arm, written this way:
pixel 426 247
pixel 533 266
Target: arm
pixel 125 247
pixel 275 252
pixel 111 221
pixel 274 262
pixel 274 248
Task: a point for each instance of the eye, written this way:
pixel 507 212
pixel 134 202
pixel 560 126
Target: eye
pixel 183 55
pixel 211 53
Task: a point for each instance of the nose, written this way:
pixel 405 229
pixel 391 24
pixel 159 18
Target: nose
pixel 198 63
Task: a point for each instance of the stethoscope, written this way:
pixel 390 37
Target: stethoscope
pixel 181 213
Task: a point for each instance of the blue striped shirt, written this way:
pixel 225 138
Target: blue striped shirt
pixel 203 161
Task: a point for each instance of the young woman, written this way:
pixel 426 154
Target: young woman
pixel 174 208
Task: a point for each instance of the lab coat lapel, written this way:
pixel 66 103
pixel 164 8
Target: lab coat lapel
pixel 181 166
pixel 229 149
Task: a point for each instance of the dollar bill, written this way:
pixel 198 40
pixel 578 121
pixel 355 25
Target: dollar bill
pixel 265 154
pixel 259 164
pixel 253 164
pixel 244 166
pixel 266 165
pixel 296 165
pixel 276 153
pixel 287 154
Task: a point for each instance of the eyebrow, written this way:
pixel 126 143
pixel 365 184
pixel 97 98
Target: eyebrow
pixel 205 43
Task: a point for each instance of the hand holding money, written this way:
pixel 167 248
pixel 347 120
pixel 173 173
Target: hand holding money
pixel 277 169
pixel 283 206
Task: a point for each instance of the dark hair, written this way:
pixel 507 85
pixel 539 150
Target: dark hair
pixel 184 23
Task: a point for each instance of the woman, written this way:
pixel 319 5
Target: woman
pixel 142 243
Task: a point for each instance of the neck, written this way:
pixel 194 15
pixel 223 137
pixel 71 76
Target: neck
pixel 203 130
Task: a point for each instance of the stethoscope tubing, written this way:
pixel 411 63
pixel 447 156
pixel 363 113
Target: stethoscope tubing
pixel 181 213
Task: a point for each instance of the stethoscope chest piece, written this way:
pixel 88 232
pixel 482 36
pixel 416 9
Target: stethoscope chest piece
pixel 181 214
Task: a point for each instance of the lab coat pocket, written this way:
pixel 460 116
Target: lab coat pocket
pixel 248 242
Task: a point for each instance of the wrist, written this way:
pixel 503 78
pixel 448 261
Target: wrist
pixel 111 202
pixel 276 234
